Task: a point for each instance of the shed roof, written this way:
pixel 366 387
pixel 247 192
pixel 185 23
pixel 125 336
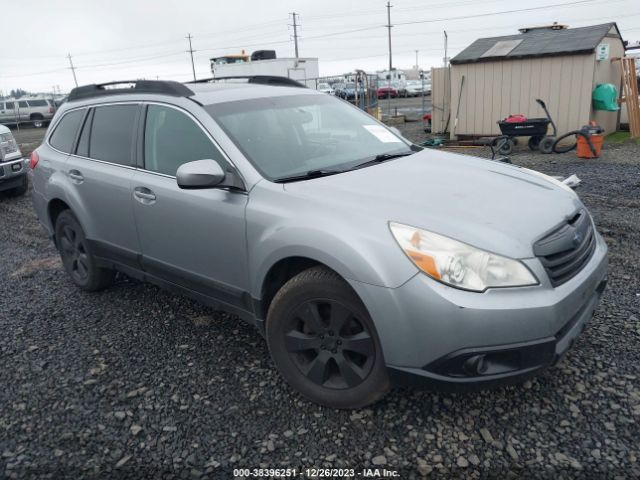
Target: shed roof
pixel 536 43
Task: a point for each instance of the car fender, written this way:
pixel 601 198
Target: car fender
pixel 350 261
pixel 60 187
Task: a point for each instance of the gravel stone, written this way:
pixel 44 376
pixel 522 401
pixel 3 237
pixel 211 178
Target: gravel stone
pixel 144 347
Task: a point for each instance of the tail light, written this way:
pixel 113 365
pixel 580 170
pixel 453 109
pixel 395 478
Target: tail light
pixel 33 161
pixel 50 109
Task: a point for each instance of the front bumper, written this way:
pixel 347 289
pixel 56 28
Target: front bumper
pixel 12 173
pixel 438 336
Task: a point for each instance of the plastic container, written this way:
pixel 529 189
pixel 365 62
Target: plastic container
pixel 583 150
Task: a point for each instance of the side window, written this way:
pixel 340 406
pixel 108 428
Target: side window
pixel 37 103
pixel 8 106
pixel 22 104
pixel 112 133
pixel 171 138
pixel 64 135
pixel 83 143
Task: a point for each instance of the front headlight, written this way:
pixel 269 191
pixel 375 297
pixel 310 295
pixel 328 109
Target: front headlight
pixel 458 264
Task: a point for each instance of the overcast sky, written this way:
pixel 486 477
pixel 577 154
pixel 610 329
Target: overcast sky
pixel 126 39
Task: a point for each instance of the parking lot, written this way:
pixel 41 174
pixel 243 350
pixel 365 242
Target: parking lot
pixel 134 381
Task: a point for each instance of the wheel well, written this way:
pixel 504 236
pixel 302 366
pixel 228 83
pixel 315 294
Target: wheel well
pixel 279 274
pixel 56 207
pixel 36 116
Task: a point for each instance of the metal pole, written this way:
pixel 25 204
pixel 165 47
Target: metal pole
pixel 73 70
pixel 417 68
pixel 295 33
pixel 390 55
pixel 193 68
pixel 446 83
pixel 423 106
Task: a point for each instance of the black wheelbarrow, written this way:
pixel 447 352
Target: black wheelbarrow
pixel 534 128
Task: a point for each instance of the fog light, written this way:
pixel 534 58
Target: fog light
pixel 475 365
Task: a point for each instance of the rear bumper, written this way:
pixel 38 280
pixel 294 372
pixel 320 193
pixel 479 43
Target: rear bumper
pixel 12 173
pixel 479 368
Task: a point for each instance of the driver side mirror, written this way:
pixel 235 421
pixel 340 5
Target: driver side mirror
pixel 200 174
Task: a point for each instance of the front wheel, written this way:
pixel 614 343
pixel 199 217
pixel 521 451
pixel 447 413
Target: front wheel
pixel 77 255
pixel 505 146
pixel 324 343
pixel 546 145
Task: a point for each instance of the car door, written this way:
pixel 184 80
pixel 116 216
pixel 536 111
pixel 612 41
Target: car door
pixel 193 238
pixel 7 113
pixel 100 172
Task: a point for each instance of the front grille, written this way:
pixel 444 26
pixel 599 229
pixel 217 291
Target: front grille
pixel 565 251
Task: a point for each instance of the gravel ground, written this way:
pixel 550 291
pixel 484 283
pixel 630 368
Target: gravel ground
pixel 134 382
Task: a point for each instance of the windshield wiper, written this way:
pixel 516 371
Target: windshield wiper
pixel 383 157
pixel 307 175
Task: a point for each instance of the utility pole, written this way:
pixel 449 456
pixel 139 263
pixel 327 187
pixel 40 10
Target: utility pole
pixel 190 51
pixel 417 68
pixel 390 56
pixel 295 31
pixel 73 69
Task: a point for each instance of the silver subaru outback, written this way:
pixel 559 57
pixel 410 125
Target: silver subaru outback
pixel 365 261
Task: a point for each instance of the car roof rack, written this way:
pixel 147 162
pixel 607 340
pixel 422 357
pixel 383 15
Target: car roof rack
pixel 257 79
pixel 163 87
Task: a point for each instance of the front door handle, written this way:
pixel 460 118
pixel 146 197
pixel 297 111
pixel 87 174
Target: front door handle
pixel 144 195
pixel 76 176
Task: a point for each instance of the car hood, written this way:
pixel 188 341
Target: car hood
pixel 493 206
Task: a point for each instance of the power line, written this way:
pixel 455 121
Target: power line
pixel 479 15
pixel 190 51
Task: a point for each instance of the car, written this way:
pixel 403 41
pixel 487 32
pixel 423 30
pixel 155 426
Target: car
pixel 364 260
pixel 401 88
pixel 325 88
pixel 348 91
pixel 386 91
pixel 13 168
pixel 36 111
pixel 415 88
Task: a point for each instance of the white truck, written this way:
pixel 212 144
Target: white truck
pixel 304 70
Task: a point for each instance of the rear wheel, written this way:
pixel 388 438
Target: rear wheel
pixel 505 146
pixel 323 341
pixel 77 255
pixel 37 121
pixel 546 145
pixel 534 142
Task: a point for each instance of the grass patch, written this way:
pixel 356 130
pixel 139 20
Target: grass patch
pixel 620 137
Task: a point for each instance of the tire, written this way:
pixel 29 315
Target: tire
pixel 534 142
pixel 505 146
pixel 324 343
pixel 21 190
pixel 546 145
pixel 37 121
pixel 77 256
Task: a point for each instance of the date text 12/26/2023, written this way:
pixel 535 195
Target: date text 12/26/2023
pixel 372 473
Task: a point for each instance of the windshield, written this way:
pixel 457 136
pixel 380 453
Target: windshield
pixel 290 135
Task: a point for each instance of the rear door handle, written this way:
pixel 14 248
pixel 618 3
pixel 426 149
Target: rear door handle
pixel 76 176
pixel 144 195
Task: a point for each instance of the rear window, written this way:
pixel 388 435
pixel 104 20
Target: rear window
pixel 65 133
pixel 37 103
pixel 112 133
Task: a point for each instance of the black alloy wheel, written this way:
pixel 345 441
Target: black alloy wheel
pixel 77 257
pixel 324 342
pixel 329 344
